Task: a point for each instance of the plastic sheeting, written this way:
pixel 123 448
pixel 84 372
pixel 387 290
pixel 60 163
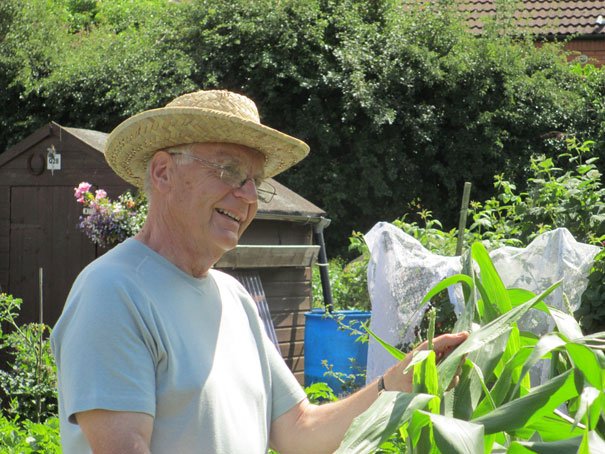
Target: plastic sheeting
pixel 401 271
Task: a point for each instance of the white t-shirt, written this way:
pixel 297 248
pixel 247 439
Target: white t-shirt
pixel 138 334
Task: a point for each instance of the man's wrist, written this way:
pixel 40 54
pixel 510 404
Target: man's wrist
pixel 380 384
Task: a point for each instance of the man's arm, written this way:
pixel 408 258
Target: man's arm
pixel 308 428
pixel 116 431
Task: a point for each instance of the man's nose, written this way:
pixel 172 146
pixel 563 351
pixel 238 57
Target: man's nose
pixel 248 191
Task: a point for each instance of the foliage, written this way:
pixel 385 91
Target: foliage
pixel 565 191
pixel 29 384
pixel 592 308
pixel 86 63
pixel 348 281
pixel 320 392
pixel 555 197
pixel 394 98
pixel 495 406
pixel 109 222
pixel 25 437
pixel 349 381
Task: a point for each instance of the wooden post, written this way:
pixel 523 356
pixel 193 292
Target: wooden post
pixel 466 195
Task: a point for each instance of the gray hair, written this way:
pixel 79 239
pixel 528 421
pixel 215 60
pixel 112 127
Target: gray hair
pixel 181 152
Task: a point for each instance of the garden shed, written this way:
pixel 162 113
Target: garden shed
pixel 42 250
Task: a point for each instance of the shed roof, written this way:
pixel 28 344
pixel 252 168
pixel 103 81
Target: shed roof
pixel 286 205
pixel 560 18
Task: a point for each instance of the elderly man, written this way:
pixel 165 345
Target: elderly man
pixel 158 352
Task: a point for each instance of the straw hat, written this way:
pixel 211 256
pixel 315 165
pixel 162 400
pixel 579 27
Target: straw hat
pixel 202 116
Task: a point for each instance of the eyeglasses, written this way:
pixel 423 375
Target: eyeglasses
pixel 236 177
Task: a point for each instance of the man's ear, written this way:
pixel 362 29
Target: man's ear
pixel 160 171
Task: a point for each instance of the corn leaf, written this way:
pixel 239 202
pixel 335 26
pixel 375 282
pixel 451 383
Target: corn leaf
pixel 374 426
pixel 555 426
pixel 512 347
pixel 463 399
pixel 490 355
pixel 569 445
pixel 425 378
pixel 447 282
pixel 592 443
pixel 587 362
pixel 485 335
pixel 488 310
pixel 519 296
pixel 500 390
pixel 396 353
pixel 566 324
pixel 542 400
pixel 545 345
pixel 497 296
pixel 425 374
pixel 453 436
pixel 587 399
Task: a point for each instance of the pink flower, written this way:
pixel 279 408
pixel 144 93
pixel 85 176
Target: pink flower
pixel 82 189
pixel 100 194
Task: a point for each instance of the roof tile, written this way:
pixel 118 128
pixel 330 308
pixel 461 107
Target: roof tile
pixel 542 17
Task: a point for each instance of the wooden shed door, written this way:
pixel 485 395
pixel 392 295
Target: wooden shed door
pixel 44 234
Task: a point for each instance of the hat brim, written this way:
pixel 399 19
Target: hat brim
pixel 131 144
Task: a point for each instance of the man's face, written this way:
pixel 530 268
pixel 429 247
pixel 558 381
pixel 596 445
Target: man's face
pixel 206 207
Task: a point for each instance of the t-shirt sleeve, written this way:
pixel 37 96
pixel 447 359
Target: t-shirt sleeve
pixel 104 351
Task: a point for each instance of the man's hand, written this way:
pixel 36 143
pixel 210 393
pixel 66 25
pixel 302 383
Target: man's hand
pixel 396 379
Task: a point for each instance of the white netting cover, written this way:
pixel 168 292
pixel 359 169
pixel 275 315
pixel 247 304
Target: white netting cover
pixel 401 271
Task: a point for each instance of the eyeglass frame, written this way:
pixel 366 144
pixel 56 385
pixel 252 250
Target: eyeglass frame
pixel 264 191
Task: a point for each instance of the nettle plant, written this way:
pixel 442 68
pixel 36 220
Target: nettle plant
pixel 494 407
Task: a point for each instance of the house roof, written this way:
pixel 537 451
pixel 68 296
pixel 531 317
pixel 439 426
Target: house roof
pixel 560 18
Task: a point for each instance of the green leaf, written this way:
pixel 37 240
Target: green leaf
pixel 447 282
pixel 374 426
pixel 566 324
pixel 543 399
pixel 455 435
pixel 545 345
pixel 491 282
pixel 587 362
pixel 425 375
pixel 569 445
pixel 485 335
pixel 555 426
pixel 396 353
pixel 587 398
pixel 500 390
pixel 592 443
pixel 519 296
pixel 461 400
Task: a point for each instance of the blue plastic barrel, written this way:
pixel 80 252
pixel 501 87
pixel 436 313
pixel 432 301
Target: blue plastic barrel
pixel 324 340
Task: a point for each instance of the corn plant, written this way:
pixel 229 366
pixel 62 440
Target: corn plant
pixel 494 407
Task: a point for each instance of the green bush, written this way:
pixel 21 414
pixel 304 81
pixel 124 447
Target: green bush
pixel 348 281
pixel 29 380
pixel 25 437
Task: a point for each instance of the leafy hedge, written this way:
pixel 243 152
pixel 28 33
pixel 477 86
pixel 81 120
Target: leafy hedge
pixel 397 102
